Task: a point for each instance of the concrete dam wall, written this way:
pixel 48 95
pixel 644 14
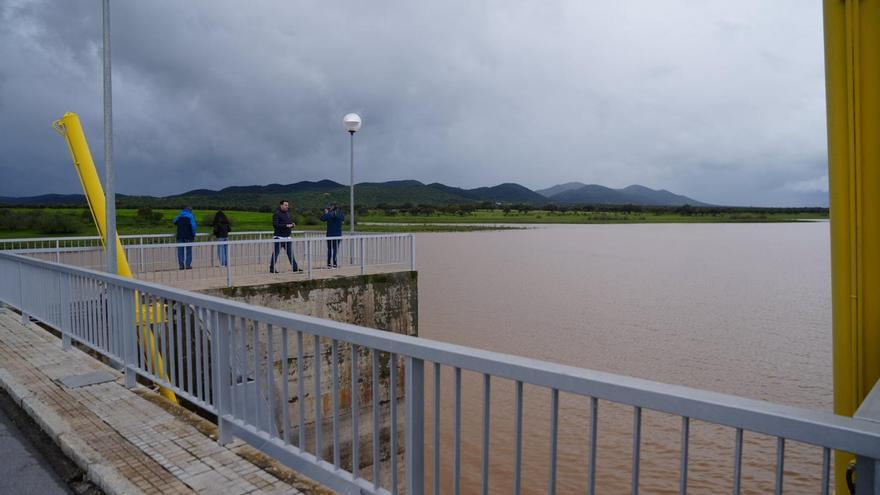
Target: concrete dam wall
pixel 387 302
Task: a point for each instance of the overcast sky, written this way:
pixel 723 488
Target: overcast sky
pixel 720 100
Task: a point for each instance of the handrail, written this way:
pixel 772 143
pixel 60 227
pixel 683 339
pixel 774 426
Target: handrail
pixel 144 236
pixel 816 427
pixel 230 326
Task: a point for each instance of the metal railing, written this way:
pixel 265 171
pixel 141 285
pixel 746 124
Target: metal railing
pixel 159 262
pixel 68 243
pixel 260 371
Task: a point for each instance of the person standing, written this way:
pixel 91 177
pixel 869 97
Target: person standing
pixel 282 224
pixel 334 218
pixel 186 233
pixel 222 228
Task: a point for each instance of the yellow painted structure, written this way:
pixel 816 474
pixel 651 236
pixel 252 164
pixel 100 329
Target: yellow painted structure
pixel 69 127
pixel 852 75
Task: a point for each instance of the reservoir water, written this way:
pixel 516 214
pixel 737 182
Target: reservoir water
pixel 742 309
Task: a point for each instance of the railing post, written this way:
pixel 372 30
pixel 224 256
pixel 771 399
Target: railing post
pixel 412 252
pixel 66 319
pixel 220 378
pixel 228 264
pixel 309 256
pixel 129 331
pixel 57 251
pixel 20 293
pixel 363 258
pixel 142 256
pixel 414 428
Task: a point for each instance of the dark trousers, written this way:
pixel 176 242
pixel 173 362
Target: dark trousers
pixel 184 254
pixel 332 248
pixel 288 246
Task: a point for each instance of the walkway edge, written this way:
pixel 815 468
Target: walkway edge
pixel 104 477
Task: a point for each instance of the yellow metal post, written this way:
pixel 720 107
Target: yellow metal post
pixel 69 127
pixel 852 76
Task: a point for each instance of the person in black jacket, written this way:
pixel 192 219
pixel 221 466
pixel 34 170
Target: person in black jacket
pixel 186 233
pixel 334 219
pixel 282 224
pixel 222 228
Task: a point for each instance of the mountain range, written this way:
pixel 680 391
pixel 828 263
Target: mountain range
pixel 316 194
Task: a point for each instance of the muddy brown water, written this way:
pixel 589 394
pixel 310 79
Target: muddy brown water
pixel 741 309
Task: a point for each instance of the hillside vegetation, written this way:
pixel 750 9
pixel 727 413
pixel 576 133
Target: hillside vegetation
pixel 36 222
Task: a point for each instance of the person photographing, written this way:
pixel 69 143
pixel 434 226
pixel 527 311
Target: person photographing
pixel 334 218
pixel 282 223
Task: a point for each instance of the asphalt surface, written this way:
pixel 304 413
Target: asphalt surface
pixel 30 463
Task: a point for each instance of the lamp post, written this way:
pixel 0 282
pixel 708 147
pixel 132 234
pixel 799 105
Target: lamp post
pixel 110 234
pixel 352 123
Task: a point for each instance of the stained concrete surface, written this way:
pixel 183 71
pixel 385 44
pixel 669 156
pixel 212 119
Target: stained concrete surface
pixel 23 469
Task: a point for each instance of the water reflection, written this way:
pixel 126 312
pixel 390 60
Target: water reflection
pixel 735 308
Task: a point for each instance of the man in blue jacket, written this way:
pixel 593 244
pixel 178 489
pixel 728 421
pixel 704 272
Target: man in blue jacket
pixel 334 219
pixel 282 224
pixel 186 232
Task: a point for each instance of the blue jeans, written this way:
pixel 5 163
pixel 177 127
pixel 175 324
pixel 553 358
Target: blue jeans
pixel 288 246
pixel 222 249
pixel 332 248
pixel 184 255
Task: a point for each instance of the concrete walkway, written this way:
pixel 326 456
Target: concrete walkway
pixel 128 441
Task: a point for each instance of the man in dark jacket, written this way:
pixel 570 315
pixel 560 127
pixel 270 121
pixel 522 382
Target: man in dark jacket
pixel 334 219
pixel 282 224
pixel 186 232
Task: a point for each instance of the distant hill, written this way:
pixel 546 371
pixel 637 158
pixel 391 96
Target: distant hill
pixel 305 194
pixel 635 194
pixel 560 188
pixel 504 193
pixel 46 200
pixel 316 194
pixel 309 194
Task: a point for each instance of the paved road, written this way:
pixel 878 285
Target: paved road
pixel 23 470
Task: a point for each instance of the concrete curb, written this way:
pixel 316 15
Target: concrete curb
pixel 106 478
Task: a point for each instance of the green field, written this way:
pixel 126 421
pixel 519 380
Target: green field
pixel 590 217
pixel 29 222
pixel 53 222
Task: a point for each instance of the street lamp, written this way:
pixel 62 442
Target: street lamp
pixel 352 123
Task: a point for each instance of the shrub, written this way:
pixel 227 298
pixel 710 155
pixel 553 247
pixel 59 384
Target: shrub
pixel 311 219
pixel 54 223
pixel 146 215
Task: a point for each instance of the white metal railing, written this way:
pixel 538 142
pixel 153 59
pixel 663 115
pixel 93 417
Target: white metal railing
pixel 75 243
pixel 160 262
pixel 259 370
pixel 51 244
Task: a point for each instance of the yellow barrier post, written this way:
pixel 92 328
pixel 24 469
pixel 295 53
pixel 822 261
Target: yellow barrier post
pixel 69 127
pixel 852 77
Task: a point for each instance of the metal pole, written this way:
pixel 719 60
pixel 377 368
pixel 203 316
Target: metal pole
pixel 852 76
pixel 351 199
pixel 110 238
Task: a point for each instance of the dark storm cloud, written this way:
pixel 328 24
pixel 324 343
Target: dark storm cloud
pixel 723 102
